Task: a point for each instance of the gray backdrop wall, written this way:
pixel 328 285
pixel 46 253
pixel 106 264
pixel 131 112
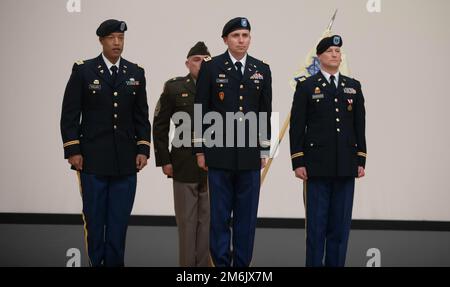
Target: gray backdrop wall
pixel 400 54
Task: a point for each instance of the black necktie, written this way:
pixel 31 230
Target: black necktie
pixel 239 69
pixel 114 73
pixel 332 84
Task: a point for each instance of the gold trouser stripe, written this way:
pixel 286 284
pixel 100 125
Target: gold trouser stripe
pixel 305 198
pixel 71 143
pixel 84 220
pixel 143 142
pixel 297 155
pixel 211 262
pixel 362 154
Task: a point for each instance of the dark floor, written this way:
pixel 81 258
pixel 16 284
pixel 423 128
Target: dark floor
pixel 48 245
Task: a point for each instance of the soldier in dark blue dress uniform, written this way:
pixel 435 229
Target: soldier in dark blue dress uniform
pixel 236 84
pixel 328 150
pixel 106 138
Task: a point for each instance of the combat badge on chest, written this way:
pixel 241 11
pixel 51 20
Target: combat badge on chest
pixel 317 94
pixel 95 86
pixel 221 80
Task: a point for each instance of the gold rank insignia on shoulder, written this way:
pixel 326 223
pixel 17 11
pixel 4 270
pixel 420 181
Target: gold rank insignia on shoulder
pixel 79 62
pixel 222 76
pixel 207 59
pixel 302 79
pixel 317 90
pixel 96 82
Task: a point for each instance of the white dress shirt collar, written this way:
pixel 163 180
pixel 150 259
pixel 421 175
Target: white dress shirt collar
pixel 328 75
pixel 243 60
pixel 109 64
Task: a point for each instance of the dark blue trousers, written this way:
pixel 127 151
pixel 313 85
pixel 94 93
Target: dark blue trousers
pixel 107 205
pixel 329 203
pixel 237 193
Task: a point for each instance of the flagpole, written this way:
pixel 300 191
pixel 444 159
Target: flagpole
pixel 332 20
pixel 287 120
pixel 277 144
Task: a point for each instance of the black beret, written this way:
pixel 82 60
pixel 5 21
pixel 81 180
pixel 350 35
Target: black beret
pixel 111 26
pixel 235 24
pixel 327 42
pixel 198 49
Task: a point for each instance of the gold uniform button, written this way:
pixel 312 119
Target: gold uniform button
pixel 240 108
pixel 93 92
pixel 115 105
pixel 115 127
pixel 336 100
pixel 241 98
pixel 242 86
pixel 221 85
pixel 338 130
pixel 337 119
pixel 115 94
pixel 311 144
pixel 337 110
pixel 115 116
pixel 134 93
pixel 257 87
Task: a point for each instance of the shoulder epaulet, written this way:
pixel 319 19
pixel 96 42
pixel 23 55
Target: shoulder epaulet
pixel 175 79
pixel 347 78
pixel 79 62
pixel 264 62
pixel 207 59
pixel 139 66
pixel 301 79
